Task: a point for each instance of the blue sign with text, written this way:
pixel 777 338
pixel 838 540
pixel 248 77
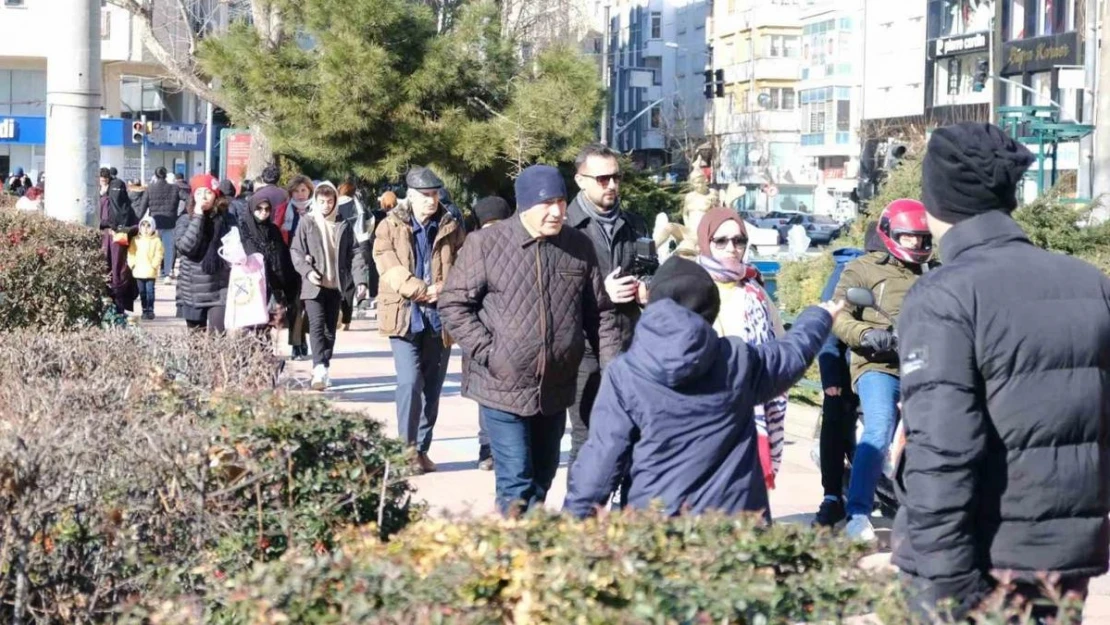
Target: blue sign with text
pixel 114 132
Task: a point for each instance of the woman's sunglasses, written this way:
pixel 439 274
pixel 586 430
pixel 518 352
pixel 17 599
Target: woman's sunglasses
pixel 262 208
pixel 722 242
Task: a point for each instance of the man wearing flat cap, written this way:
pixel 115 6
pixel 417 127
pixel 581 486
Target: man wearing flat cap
pixel 523 300
pixel 1005 367
pixel 415 247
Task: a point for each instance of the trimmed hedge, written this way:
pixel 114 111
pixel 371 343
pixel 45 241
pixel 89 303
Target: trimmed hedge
pixel 134 467
pixel 52 273
pixel 632 568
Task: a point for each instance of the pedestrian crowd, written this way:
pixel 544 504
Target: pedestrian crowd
pixel 982 373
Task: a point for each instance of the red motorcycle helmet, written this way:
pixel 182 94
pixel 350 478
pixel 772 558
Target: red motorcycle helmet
pixel 905 217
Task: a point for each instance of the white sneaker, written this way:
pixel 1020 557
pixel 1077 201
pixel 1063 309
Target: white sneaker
pixel 859 528
pixel 319 378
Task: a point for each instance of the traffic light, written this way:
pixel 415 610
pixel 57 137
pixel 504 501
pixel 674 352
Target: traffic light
pixel 719 75
pixel 982 72
pixel 894 154
pixel 708 84
pixel 138 131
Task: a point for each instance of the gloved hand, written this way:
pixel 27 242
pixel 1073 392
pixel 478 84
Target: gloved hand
pixel 879 341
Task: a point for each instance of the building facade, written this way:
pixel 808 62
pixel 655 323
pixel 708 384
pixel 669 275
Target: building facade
pixel 830 99
pixel 1042 43
pixel 658 50
pixel 131 88
pixel 894 41
pixel 756 126
pixel 959 45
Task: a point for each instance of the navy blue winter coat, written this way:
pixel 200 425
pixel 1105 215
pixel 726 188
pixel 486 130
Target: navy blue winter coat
pixel 675 412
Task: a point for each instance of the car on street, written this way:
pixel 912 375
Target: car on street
pixel 775 220
pixel 821 229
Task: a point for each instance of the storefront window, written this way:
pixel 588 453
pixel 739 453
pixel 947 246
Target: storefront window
pixel 1042 84
pixel 955 81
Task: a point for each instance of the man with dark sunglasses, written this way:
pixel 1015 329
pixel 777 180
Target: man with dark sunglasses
pixel 597 213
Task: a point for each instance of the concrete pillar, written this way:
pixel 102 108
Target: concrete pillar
pixel 73 112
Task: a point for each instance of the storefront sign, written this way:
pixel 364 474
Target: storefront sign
pixel 961 44
pixel 172 137
pixel 1041 53
pixel 235 154
pixel 8 128
pixel 176 136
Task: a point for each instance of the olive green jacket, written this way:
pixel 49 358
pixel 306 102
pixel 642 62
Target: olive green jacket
pixel 889 279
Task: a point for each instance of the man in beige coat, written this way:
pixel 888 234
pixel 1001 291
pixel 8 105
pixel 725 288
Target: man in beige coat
pixel 415 247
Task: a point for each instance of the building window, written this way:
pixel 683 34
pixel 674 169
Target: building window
pixel 955 81
pixel 780 99
pixel 105 25
pixel 965 16
pixel 1046 18
pixel 656 25
pixel 843 115
pixel 1017 19
pixel 656 118
pixel 782 46
pixel 13 3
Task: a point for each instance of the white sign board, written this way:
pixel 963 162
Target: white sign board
pixel 641 78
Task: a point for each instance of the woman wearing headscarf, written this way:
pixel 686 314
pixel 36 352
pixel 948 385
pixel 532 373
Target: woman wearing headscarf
pixel 203 277
pixel 747 313
pixel 118 224
pixel 260 235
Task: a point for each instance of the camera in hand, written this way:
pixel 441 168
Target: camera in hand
pixel 645 260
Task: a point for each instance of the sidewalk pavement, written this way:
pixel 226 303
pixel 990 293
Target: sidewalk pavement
pixel 363 379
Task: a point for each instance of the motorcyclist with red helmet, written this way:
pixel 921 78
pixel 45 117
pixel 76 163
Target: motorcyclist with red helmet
pixel 897 256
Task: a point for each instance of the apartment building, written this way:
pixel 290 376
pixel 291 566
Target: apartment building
pixel 132 87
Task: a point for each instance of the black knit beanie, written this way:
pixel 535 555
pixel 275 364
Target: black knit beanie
pixel 688 284
pixel 971 168
pixel 490 209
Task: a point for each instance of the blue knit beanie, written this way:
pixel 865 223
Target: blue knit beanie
pixel 538 184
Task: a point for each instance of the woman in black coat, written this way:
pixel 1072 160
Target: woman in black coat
pixel 202 281
pixel 261 236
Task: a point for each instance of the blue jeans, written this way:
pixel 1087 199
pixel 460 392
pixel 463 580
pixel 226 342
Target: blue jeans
pixel 146 295
pixel 167 244
pixel 421 361
pixel 525 456
pixel 878 395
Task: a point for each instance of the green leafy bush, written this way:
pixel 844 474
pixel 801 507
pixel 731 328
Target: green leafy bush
pixel 52 273
pixel 633 568
pixel 134 467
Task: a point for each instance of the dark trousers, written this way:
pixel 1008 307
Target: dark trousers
pixel 838 439
pixel 146 295
pixel 421 362
pixel 589 381
pixel 483 439
pixel 525 456
pixel 323 317
pixel 212 319
pixel 298 325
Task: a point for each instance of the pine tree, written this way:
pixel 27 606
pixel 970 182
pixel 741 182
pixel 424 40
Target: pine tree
pixel 369 87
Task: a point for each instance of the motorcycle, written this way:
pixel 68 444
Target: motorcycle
pixel 885 499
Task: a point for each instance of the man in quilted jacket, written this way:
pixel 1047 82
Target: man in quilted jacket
pixel 522 301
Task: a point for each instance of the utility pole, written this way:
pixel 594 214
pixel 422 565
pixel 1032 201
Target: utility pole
pixel 1090 66
pixel 73 80
pixel 1101 164
pixel 605 74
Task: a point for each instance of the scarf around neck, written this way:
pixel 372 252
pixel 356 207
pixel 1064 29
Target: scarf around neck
pixel 329 233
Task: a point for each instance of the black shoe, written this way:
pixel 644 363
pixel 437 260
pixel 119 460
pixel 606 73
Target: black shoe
pixel 830 513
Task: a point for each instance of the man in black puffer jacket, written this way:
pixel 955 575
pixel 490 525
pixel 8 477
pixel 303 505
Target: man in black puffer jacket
pixel 162 199
pixel 1005 366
